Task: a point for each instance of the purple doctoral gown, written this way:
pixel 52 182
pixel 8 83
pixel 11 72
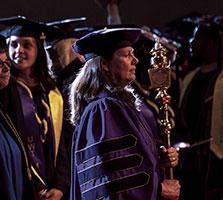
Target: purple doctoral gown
pixel 114 155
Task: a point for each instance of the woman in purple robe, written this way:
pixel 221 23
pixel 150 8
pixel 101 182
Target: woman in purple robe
pixel 114 153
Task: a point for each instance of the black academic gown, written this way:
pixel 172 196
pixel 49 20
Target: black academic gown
pixel 16 110
pixel 198 164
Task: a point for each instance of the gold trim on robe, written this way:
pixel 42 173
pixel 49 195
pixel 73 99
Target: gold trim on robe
pixel 56 107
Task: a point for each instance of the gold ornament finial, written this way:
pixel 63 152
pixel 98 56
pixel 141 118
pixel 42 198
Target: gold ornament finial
pixel 160 77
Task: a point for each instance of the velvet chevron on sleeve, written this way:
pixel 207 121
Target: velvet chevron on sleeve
pixel 114 155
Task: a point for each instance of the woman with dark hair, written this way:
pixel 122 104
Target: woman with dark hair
pixel 35 105
pixel 15 176
pixel 114 154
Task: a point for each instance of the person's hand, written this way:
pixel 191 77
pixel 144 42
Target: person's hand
pixel 170 189
pixel 169 157
pixel 53 194
pixel 4 76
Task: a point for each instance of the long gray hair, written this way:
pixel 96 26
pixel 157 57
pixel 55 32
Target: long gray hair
pixel 91 79
pixel 84 88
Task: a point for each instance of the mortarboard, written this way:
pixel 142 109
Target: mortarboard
pixel 208 25
pixel 70 28
pixel 219 22
pixel 105 41
pixel 181 27
pixel 21 26
pixel 180 30
pixel 209 28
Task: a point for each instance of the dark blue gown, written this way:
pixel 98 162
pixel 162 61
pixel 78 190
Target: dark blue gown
pixel 11 171
pixel 114 155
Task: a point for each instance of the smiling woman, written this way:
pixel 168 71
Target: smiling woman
pixel 35 104
pixel 23 52
pixel 12 174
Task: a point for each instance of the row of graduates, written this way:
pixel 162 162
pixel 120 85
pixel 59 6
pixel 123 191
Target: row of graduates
pixel 199 115
pixel 56 178
pixel 32 114
pixel 36 137
pixel 197 102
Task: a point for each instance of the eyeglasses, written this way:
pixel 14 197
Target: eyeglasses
pixel 5 65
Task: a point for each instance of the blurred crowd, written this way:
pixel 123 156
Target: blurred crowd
pixel 73 127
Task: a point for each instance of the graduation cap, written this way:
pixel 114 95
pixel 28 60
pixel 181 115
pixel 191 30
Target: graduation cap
pixel 179 29
pixel 70 28
pixel 208 24
pixel 204 20
pixel 219 22
pixel 105 41
pixel 208 32
pixel 21 26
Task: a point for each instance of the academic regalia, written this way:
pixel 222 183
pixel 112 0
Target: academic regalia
pixel 65 69
pixel 11 172
pixel 199 164
pixel 39 126
pixel 37 111
pixel 15 172
pixel 114 155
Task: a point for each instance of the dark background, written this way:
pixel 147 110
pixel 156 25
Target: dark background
pixel 153 13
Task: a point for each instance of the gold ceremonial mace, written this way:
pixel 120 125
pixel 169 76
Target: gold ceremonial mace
pixel 160 76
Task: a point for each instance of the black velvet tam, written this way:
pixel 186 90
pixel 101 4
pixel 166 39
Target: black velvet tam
pixel 105 41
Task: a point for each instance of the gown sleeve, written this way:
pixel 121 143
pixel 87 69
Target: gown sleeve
pixel 114 155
